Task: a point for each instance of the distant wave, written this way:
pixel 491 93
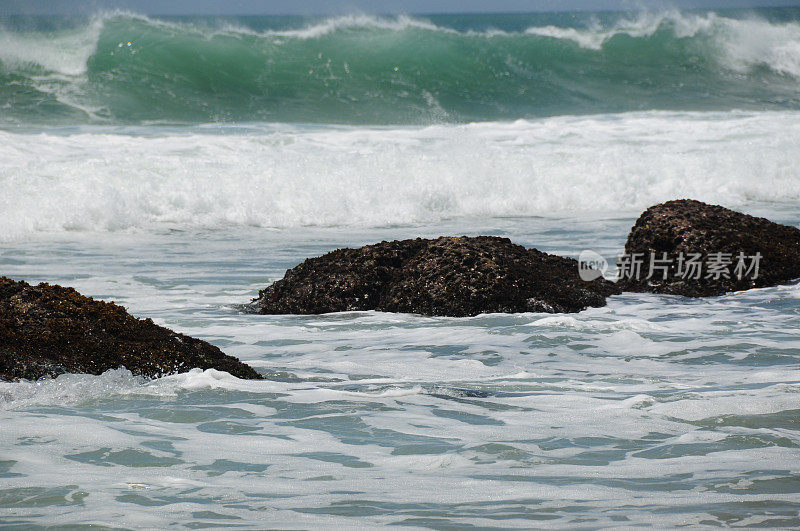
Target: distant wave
pixel 126 68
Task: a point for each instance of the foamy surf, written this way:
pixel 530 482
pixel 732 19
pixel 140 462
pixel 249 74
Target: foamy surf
pixel 543 412
pixel 288 177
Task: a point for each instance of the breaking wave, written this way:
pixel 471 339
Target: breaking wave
pixel 126 68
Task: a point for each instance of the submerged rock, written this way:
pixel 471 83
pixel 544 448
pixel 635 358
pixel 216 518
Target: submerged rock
pixel 47 330
pixel 710 250
pixel 449 276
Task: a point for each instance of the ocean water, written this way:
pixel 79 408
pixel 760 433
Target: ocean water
pixel 178 165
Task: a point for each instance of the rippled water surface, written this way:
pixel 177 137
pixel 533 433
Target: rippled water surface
pixel 654 410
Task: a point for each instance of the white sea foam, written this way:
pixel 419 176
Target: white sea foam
pixel 331 25
pixel 462 420
pixel 749 43
pixel 288 177
pixel 740 44
pixel 643 24
pixel 64 53
pixel 67 389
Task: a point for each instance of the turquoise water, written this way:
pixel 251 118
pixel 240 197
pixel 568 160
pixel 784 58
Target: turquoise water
pixel 181 174
pixel 124 68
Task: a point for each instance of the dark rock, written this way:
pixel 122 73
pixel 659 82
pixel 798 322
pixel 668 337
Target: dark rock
pixel 682 227
pixel 341 281
pixel 447 276
pixel 47 330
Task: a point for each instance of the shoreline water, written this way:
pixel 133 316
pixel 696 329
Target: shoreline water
pixel 549 414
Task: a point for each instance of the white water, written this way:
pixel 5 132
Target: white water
pixel 740 44
pixel 97 180
pixel 655 410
